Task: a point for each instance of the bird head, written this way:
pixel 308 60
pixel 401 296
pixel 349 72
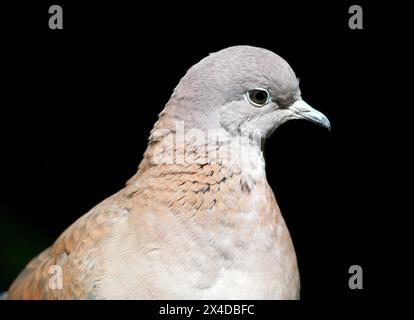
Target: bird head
pixel 242 90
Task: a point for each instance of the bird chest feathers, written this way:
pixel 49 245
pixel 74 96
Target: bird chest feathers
pixel 208 231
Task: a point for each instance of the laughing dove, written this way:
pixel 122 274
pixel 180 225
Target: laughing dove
pixel 198 220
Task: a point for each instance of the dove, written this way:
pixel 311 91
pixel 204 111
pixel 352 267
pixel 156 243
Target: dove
pixel 198 220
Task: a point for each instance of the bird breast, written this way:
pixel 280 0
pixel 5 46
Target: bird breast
pixel 203 231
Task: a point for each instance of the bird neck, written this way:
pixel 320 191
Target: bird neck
pixel 238 154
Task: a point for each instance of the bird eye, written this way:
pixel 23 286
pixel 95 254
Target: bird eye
pixel 258 97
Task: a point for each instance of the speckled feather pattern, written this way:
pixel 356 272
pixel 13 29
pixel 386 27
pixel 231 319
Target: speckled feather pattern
pixel 193 231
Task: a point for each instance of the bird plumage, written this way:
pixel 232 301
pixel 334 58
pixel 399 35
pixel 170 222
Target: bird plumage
pixel 198 220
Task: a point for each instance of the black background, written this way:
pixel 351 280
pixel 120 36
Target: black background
pixel 74 126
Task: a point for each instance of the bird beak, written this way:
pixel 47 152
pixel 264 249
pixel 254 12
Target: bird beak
pixel 301 110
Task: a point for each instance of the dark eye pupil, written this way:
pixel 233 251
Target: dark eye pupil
pixel 258 96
